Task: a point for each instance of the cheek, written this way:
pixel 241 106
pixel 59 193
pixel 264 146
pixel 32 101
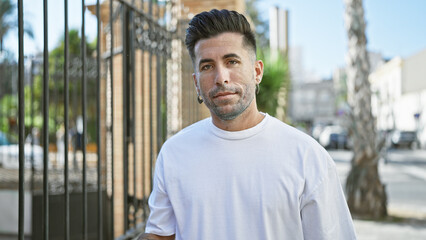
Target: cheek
pixel 203 87
pixel 205 81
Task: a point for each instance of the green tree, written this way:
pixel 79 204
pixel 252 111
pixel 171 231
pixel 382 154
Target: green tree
pixel 8 100
pixel 74 47
pixel 275 78
pixel 7 9
pixel 276 81
pixel 8 68
pixel 56 71
pixel 366 194
pixel 261 27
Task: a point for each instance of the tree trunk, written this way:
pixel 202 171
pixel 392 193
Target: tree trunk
pixel 366 194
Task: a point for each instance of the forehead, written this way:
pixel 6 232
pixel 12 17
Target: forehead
pixel 220 45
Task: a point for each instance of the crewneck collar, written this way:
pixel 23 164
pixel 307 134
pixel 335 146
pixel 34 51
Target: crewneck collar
pixel 237 135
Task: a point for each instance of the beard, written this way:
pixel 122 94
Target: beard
pixel 227 109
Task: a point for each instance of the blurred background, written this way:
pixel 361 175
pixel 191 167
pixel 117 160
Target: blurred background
pixel 350 73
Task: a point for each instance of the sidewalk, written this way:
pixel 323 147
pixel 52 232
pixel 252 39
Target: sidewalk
pixel 405 230
pixel 408 225
pixel 409 219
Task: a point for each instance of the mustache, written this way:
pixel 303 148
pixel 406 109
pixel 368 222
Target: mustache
pixel 221 89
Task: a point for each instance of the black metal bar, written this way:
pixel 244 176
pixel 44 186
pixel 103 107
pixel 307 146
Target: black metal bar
pixel 21 97
pixel 165 99
pixel 125 31
pixel 32 132
pixel 66 123
pixel 45 125
pixel 111 19
pixel 55 101
pixel 143 130
pixel 84 103
pixel 133 110
pixel 98 119
pixel 75 117
pixel 158 10
pixel 159 102
pixel 150 9
pixel 151 125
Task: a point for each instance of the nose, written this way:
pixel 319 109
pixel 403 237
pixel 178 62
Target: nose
pixel 222 75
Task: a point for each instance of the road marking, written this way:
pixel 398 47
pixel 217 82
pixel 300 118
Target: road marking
pixel 415 171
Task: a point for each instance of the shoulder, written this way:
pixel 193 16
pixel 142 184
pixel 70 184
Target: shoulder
pixel 314 159
pixel 189 133
pixel 292 136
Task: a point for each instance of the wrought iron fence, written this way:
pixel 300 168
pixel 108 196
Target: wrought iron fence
pixel 107 112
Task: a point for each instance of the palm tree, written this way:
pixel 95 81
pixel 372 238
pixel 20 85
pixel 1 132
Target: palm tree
pixel 274 86
pixel 6 11
pixel 366 194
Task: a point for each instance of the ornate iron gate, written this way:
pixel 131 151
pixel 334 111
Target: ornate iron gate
pixel 112 101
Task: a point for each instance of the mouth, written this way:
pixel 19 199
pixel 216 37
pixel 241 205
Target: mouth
pixel 223 94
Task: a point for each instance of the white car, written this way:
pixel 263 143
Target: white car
pixel 334 137
pixel 9 156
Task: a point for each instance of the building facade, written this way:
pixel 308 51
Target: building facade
pixel 313 103
pixel 399 95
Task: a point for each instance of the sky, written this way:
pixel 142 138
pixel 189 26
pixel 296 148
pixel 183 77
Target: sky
pixel 394 28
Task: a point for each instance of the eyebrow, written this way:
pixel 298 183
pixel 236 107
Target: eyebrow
pixel 204 61
pixel 229 55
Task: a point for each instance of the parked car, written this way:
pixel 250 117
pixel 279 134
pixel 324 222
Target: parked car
pixel 404 139
pixel 9 153
pixel 4 140
pixel 334 137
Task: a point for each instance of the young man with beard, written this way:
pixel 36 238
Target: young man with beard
pixel 241 174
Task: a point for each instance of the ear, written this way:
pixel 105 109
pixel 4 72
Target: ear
pixel 258 71
pixel 197 88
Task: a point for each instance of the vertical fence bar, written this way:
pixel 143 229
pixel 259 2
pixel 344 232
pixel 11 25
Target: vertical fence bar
pixel 66 123
pixel 143 126
pixel 55 101
pixel 32 123
pixel 165 87
pixel 98 118
pixel 111 59
pixel 75 116
pixel 133 110
pixel 157 14
pixel 21 126
pixel 159 100
pixel 142 64
pixel 151 125
pixel 45 126
pixel 125 53
pixel 84 103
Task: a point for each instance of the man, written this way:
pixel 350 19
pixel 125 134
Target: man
pixel 241 174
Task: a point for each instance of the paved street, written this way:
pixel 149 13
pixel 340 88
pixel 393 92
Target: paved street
pixel 404 174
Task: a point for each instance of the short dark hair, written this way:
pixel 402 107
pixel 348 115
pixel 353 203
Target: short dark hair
pixel 209 24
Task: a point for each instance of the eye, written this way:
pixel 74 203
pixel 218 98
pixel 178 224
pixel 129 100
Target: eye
pixel 233 62
pixel 205 67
